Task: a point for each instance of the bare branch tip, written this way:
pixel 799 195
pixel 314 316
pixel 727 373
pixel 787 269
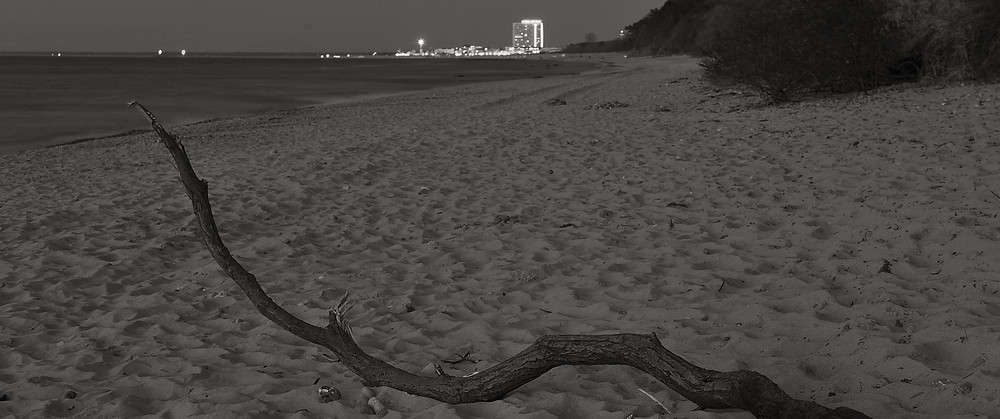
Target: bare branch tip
pixel 345 304
pixel 338 315
pixel 149 115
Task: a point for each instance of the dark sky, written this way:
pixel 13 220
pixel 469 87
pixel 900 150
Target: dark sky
pixel 299 25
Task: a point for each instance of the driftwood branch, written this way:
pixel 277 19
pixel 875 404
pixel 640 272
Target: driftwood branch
pixel 743 389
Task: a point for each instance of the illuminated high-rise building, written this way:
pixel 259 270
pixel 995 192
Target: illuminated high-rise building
pixel 529 34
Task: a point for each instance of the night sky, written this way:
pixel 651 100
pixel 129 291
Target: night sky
pixel 299 25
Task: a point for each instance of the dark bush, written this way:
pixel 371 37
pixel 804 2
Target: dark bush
pixel 957 40
pixel 678 27
pixel 615 45
pixel 941 31
pixel 984 39
pixel 786 49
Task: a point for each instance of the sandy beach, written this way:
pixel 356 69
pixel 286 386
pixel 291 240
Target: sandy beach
pixel 845 247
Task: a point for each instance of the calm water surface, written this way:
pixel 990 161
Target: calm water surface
pixel 48 100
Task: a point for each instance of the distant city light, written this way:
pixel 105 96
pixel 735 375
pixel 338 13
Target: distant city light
pixel 529 34
pixel 183 52
pixel 159 52
pixel 528 38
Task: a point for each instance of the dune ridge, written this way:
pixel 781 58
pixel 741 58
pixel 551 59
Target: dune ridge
pixel 843 247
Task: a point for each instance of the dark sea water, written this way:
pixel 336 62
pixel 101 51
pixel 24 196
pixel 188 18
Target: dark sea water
pixel 46 100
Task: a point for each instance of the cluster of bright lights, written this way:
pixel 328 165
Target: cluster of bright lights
pixel 420 43
pixel 529 34
pixel 347 56
pixel 529 37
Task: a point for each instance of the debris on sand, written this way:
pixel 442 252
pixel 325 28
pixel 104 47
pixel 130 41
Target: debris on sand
pixel 608 105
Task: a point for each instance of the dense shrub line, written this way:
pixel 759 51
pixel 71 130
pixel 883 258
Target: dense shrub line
pixel 787 49
pixel 959 40
pixel 597 46
pixel 679 27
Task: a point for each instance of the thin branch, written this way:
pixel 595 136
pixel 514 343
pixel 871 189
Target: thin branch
pixel 665 409
pixel 741 389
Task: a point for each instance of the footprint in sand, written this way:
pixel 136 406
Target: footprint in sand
pixel 823 230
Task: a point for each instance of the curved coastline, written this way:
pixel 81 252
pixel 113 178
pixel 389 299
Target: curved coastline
pixel 453 71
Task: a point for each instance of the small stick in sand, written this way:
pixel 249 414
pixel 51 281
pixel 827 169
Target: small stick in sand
pixel 459 358
pixel 656 400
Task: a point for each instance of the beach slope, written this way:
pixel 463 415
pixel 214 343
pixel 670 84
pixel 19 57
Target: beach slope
pixel 844 247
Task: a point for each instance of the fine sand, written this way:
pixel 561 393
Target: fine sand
pixel 844 247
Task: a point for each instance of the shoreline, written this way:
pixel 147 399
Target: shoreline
pixel 341 101
pixel 842 247
pixel 294 97
pixel 603 64
pixel 605 61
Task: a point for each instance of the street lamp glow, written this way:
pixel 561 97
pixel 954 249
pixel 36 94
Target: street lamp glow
pixel 421 43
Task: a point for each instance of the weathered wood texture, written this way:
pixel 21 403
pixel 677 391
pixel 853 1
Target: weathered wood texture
pixel 743 389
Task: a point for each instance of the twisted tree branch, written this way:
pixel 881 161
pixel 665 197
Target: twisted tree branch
pixel 743 389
